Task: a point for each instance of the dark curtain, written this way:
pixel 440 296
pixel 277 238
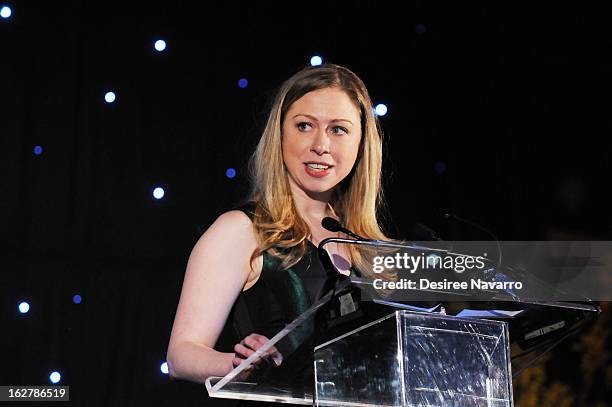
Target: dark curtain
pixel 498 113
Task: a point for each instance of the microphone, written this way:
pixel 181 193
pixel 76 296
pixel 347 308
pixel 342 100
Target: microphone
pixel 333 225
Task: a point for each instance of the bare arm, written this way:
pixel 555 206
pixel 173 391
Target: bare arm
pixel 217 270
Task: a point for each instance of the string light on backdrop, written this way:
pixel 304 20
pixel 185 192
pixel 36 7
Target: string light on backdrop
pixel 230 173
pixel 160 45
pixel 243 83
pixel 55 377
pixel 76 299
pixel 164 368
pixel 38 150
pixel 23 307
pixel 6 12
pixel 380 109
pixel 316 60
pixel 110 97
pixel 158 193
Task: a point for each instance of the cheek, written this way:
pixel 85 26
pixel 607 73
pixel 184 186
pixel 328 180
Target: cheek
pixel 291 150
pixel 349 155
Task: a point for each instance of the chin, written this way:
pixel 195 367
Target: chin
pixel 314 186
pixel 319 188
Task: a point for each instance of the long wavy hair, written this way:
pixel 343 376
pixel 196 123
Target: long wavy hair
pixel 356 200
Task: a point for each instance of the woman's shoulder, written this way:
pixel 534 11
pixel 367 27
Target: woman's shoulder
pixel 235 227
pixel 234 221
pixel 238 223
pixel 246 207
pixel 230 236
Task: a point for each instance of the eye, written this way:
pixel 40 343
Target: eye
pixel 339 130
pixel 301 125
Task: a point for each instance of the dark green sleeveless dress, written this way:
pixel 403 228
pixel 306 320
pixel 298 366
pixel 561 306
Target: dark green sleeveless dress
pixel 276 299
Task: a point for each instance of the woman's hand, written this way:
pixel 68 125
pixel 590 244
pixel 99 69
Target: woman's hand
pixel 249 345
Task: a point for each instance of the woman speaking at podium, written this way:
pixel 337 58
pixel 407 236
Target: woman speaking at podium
pixel 256 267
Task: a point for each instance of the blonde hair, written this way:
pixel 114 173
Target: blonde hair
pixel 356 200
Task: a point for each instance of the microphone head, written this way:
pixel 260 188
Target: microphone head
pixel 331 224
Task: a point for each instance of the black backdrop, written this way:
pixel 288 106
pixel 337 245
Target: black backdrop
pixel 497 112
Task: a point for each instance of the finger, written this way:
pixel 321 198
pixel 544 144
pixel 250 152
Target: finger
pixel 255 342
pixel 237 362
pixel 259 338
pixel 252 342
pixel 270 353
pixel 243 351
pixel 277 358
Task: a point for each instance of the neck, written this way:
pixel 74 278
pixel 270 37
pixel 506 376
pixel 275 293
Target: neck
pixel 312 207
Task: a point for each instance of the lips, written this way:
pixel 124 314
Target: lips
pixel 317 170
pixel 318 165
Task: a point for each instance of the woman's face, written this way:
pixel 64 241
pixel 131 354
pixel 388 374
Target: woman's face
pixel 321 136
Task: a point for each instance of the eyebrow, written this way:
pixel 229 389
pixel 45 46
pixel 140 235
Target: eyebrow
pixel 315 119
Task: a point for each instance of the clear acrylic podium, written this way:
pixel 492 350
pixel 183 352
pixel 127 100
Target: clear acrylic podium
pixel 358 346
pixel 402 358
pixel 416 359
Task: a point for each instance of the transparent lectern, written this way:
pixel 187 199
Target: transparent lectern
pixel 406 358
pixel 416 359
pixel 349 351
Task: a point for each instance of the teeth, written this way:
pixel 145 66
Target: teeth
pixel 318 166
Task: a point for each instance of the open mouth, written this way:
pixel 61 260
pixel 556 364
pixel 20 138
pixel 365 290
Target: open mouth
pixel 317 170
pixel 318 167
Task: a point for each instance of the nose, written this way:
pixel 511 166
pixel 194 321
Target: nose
pixel 320 143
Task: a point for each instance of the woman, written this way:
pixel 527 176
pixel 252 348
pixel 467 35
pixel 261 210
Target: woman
pixel 256 268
